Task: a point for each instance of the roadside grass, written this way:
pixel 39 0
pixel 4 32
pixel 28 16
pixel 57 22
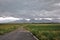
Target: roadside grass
pixel 5 28
pixel 45 31
pixel 41 31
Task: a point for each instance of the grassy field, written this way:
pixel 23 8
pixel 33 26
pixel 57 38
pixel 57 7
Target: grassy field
pixel 45 31
pixel 5 28
pixel 41 31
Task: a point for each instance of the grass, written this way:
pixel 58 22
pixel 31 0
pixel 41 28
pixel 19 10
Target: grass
pixel 5 28
pixel 45 31
pixel 41 31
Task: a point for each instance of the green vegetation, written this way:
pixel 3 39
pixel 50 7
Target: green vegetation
pixel 41 31
pixel 45 31
pixel 5 28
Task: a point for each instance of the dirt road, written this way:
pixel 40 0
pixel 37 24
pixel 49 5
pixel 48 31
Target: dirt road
pixel 19 34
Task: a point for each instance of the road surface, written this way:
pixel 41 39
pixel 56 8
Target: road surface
pixel 19 34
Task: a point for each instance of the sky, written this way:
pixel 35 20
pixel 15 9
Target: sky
pixel 8 19
pixel 30 8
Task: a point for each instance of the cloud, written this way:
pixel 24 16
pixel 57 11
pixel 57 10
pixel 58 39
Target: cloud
pixel 30 8
pixel 48 18
pixel 56 4
pixel 8 19
pixel 44 18
pixel 27 19
pixel 51 14
pixel 38 18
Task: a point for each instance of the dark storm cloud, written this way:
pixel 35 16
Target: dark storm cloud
pixel 30 8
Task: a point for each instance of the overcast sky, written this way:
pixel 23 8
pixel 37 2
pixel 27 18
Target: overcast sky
pixel 30 8
pixel 8 19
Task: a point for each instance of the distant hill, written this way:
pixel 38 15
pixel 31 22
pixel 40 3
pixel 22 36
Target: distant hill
pixel 37 21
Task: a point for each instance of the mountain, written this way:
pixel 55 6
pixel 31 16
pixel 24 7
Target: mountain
pixel 27 20
pixel 37 21
pixel 20 21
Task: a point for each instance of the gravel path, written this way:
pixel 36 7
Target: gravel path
pixel 19 34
